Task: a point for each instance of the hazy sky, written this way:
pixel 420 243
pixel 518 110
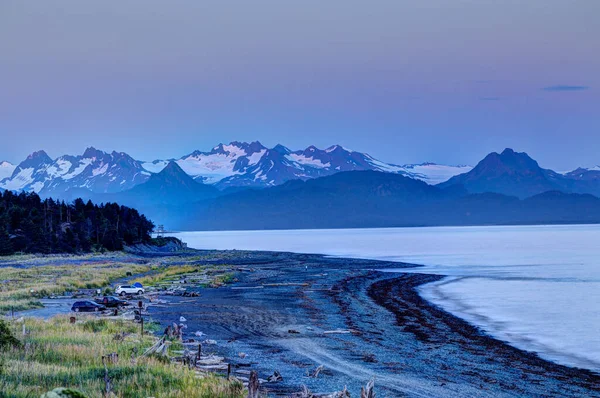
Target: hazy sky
pixel 407 81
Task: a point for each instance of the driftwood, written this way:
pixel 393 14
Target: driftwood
pixel 315 373
pixel 160 347
pixel 275 377
pixel 306 393
pixel 253 385
pixel 369 390
pixel 341 331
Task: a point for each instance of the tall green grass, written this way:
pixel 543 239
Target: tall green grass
pixel 56 353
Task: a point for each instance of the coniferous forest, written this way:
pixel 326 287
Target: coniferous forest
pixel 31 225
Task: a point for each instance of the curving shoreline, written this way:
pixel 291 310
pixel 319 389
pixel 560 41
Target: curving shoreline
pixel 412 347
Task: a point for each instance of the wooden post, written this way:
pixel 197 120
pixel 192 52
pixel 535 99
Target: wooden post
pixel 228 370
pixel 199 350
pixel 253 385
pixel 369 390
pixel 142 326
pixel 107 381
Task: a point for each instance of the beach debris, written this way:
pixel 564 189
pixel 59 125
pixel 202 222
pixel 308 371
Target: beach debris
pixel 63 393
pixel 210 360
pixel 242 355
pixel 275 377
pixel 306 393
pixel 315 373
pixel 293 331
pixel 341 331
pixel 369 390
pixel 210 342
pixel 253 385
pixel 199 334
pixel 160 347
pixel 182 319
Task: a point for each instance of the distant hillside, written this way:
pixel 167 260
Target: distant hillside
pixel 517 174
pixel 28 224
pixel 373 199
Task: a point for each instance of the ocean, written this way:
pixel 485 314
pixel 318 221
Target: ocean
pixel 534 287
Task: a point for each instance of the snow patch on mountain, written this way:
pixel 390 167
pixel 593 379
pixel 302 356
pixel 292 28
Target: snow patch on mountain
pixel 6 169
pixel 307 161
pixel 155 167
pixel 433 173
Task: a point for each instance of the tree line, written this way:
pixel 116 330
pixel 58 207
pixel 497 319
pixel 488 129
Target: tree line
pixel 31 225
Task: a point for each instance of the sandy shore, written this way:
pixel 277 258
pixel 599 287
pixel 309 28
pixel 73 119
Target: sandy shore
pixel 279 314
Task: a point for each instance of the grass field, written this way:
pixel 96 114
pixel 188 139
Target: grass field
pixel 56 353
pixel 21 288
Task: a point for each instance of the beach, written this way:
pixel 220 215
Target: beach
pixel 292 313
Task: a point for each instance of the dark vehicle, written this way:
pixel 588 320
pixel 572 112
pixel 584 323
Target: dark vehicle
pixel 87 306
pixel 111 301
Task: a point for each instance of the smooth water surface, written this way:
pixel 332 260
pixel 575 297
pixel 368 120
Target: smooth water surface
pixel 536 287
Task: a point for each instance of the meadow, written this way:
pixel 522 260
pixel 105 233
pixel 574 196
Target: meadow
pixel 56 353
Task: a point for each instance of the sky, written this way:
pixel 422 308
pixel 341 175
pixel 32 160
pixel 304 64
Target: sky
pixel 405 81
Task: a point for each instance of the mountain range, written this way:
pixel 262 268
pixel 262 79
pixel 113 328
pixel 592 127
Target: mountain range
pixel 235 165
pixel 367 199
pixel 247 186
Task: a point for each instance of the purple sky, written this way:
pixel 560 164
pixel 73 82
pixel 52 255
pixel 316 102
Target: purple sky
pixel 406 81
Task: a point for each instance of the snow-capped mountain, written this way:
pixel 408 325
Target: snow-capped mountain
pixel 233 165
pixel 95 170
pixel 30 174
pixel 6 169
pixel 240 164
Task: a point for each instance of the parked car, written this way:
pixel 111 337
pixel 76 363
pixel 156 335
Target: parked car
pixel 87 306
pixel 111 301
pixel 128 289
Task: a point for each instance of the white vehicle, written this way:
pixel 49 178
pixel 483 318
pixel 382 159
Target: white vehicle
pixel 128 289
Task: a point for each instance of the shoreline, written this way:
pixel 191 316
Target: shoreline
pixel 411 346
pixel 291 313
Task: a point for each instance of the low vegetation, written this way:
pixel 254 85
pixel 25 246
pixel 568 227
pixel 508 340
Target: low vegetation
pixel 56 353
pixel 167 273
pixel 21 288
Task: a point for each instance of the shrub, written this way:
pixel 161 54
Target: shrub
pixel 7 339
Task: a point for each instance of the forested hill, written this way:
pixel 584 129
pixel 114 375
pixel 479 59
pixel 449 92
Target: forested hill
pixel 29 224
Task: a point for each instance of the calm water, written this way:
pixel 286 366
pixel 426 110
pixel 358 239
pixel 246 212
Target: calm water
pixel 536 287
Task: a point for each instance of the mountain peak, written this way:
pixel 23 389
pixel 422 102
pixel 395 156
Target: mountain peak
pixel 509 173
pixel 92 152
pixel 281 149
pixel 41 155
pixel 172 168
